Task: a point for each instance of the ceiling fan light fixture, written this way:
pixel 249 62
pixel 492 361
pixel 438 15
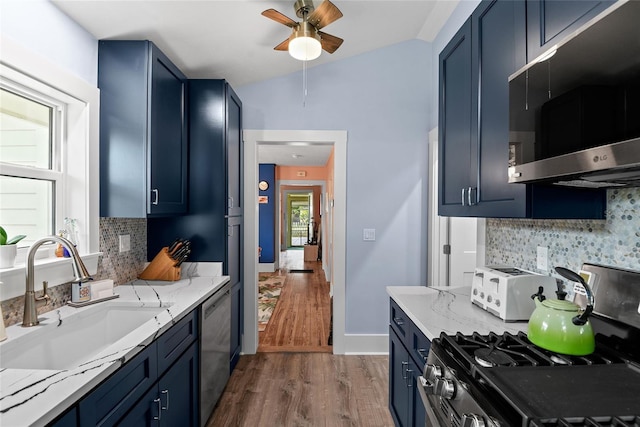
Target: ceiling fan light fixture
pixel 304 43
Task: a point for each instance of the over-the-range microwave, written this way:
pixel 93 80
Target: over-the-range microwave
pixel 574 113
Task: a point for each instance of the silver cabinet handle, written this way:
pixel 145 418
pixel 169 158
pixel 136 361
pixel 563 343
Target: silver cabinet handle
pixel 156 197
pixel 463 190
pixel 230 202
pixel 469 197
pixel 422 351
pixel 398 321
pixel 167 393
pixel 159 409
pixel 404 370
pixel 495 280
pixel 410 380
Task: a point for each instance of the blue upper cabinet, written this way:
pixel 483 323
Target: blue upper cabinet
pixel 143 132
pixel 455 99
pixel 549 21
pixel 474 125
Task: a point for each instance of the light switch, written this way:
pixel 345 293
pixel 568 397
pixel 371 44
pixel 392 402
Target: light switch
pixel 369 234
pixel 124 242
pixel 542 258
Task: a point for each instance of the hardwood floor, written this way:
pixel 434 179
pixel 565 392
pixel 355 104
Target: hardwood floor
pixel 305 389
pixel 301 321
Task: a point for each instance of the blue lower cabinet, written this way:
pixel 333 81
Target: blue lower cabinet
pixel 408 350
pixel 157 387
pixel 111 400
pixel 70 419
pixel 173 401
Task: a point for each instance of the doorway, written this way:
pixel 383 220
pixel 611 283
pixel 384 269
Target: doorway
pixel 335 235
pixel 298 217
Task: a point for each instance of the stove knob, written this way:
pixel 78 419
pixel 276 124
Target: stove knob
pixel 475 291
pixel 432 372
pixel 489 298
pixel 471 420
pixel 445 387
pixel 497 303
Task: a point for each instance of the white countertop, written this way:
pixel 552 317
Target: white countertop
pixel 36 397
pixel 448 310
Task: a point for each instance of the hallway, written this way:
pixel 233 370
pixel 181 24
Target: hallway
pixel 301 321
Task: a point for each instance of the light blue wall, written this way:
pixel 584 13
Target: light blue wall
pixel 42 28
pixel 381 99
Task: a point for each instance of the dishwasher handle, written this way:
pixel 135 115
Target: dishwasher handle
pixel 209 306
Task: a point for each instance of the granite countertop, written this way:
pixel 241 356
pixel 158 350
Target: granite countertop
pixel 35 397
pixel 448 310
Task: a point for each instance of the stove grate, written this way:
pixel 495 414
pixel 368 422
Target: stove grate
pixel 629 421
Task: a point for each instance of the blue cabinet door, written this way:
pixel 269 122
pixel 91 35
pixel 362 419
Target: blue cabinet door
pixel 549 21
pixel 234 151
pixel 70 419
pixel 498 51
pixel 167 137
pixel 237 320
pixel 174 400
pixel 399 397
pixel 454 150
pixel 179 391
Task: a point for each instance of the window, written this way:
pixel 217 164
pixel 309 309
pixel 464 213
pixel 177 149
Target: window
pixel 30 145
pixel 49 164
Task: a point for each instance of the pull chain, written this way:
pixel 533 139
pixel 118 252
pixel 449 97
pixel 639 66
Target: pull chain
pixel 304 84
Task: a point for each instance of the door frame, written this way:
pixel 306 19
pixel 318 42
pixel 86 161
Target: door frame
pixel 252 138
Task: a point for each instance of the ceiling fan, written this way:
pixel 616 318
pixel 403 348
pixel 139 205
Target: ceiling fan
pixel 306 40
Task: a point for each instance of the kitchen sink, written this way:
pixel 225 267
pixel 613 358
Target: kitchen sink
pixel 78 338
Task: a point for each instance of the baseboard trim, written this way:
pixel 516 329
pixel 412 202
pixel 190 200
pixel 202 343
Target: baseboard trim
pixel 366 344
pixel 265 267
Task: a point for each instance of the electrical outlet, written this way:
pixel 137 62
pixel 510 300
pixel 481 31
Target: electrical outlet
pixel 125 242
pixel 369 234
pixel 542 258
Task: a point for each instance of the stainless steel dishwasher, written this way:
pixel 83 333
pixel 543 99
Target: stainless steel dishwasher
pixel 215 347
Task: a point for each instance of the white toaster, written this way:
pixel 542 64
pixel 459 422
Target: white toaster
pixel 506 291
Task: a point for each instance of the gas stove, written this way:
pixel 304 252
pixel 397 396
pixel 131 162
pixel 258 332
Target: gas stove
pixel 499 380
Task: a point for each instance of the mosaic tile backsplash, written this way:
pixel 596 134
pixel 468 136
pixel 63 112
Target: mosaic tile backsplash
pixel 612 242
pixel 121 267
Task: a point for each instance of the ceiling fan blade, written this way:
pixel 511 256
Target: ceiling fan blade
pixel 324 15
pixel 279 17
pixel 329 43
pixel 282 46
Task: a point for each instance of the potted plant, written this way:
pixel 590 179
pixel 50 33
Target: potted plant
pixel 8 248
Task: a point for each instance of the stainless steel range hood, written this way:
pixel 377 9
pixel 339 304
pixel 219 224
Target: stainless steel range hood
pixel 574 114
pixel 607 166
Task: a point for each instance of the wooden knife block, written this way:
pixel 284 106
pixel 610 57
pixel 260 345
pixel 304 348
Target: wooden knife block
pixel 162 267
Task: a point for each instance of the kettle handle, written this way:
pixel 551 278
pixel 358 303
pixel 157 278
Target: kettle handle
pixel 539 294
pixel 575 277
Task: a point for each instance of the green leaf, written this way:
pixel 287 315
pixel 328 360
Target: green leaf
pixel 16 239
pixel 3 236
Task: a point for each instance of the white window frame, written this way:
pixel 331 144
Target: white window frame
pixel 58 101
pixel 79 160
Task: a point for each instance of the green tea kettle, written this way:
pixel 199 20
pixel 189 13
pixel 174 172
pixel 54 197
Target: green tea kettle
pixel 562 326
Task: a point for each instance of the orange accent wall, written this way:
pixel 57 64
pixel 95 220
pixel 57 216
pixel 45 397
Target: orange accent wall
pixel 313 173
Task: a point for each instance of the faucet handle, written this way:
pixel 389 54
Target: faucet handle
pixel 45 296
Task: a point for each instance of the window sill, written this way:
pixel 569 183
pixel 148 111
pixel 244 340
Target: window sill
pixel 56 271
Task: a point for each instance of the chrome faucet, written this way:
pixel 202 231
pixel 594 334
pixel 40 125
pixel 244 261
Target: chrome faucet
pixel 31 302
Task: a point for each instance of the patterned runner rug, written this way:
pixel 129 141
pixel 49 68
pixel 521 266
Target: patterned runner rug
pixel 269 288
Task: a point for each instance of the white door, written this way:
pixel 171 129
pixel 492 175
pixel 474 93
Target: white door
pixel 456 245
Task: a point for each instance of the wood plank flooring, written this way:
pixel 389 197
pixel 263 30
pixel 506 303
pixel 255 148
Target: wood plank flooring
pixel 302 317
pixel 305 389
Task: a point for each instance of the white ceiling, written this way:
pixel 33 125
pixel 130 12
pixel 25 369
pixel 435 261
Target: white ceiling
pixel 292 154
pixel 230 39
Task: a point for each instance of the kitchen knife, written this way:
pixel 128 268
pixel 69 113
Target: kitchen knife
pixel 183 258
pixel 173 245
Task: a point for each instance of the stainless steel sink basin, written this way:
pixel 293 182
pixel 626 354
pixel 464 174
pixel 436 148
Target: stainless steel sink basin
pixel 59 345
